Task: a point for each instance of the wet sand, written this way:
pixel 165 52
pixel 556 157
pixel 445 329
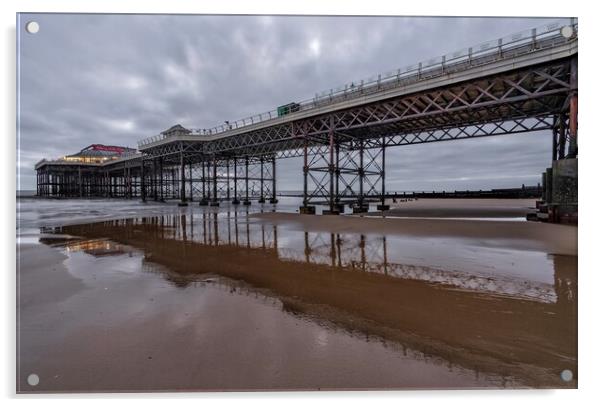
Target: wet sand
pixel 214 299
pixel 462 208
pixel 168 331
pixel 550 238
pixel 41 262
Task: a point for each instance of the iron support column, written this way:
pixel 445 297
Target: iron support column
pixel 246 201
pixel 555 140
pixel 331 167
pixel 129 181
pixel 305 173
pixel 174 183
pixel 214 202
pixel 337 175
pixel 305 208
pixel 208 181
pixel 203 201
pixel 261 197
pixel 126 189
pixel 124 180
pixel 109 183
pixel 274 200
pixel 383 206
pixel 361 175
pixel 190 180
pixel 360 206
pixel 227 179
pixel 235 201
pixel 142 182
pixel 382 175
pixel 562 136
pixel 79 181
pixel 182 180
pixel 203 179
pixel 161 179
pixel 154 180
pixel 573 111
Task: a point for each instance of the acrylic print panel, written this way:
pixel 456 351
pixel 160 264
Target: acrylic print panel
pixel 212 203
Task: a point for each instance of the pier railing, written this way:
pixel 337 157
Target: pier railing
pixel 510 46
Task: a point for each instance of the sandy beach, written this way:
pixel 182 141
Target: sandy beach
pixel 461 208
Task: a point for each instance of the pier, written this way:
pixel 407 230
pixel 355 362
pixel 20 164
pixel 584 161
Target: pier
pixel 524 82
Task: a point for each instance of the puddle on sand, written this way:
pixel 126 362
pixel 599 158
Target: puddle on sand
pixel 214 301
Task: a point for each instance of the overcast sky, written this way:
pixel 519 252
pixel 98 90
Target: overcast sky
pixel 116 79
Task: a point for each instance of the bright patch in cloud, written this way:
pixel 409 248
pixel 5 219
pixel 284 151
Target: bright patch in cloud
pixel 119 125
pixel 134 83
pixel 314 47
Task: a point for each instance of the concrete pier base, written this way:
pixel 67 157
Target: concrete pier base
pixel 563 208
pixel 382 207
pixel 360 209
pixel 246 202
pixel 182 203
pixel 235 202
pixel 329 212
pixel 203 202
pixel 214 203
pixel 273 201
pixel 307 210
pixel 339 207
pixel 560 196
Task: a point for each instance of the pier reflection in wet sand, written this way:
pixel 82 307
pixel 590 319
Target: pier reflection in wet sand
pixel 395 312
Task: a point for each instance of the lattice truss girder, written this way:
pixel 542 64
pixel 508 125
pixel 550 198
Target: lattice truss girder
pixel 253 143
pixel 283 141
pixel 537 91
pixel 512 126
